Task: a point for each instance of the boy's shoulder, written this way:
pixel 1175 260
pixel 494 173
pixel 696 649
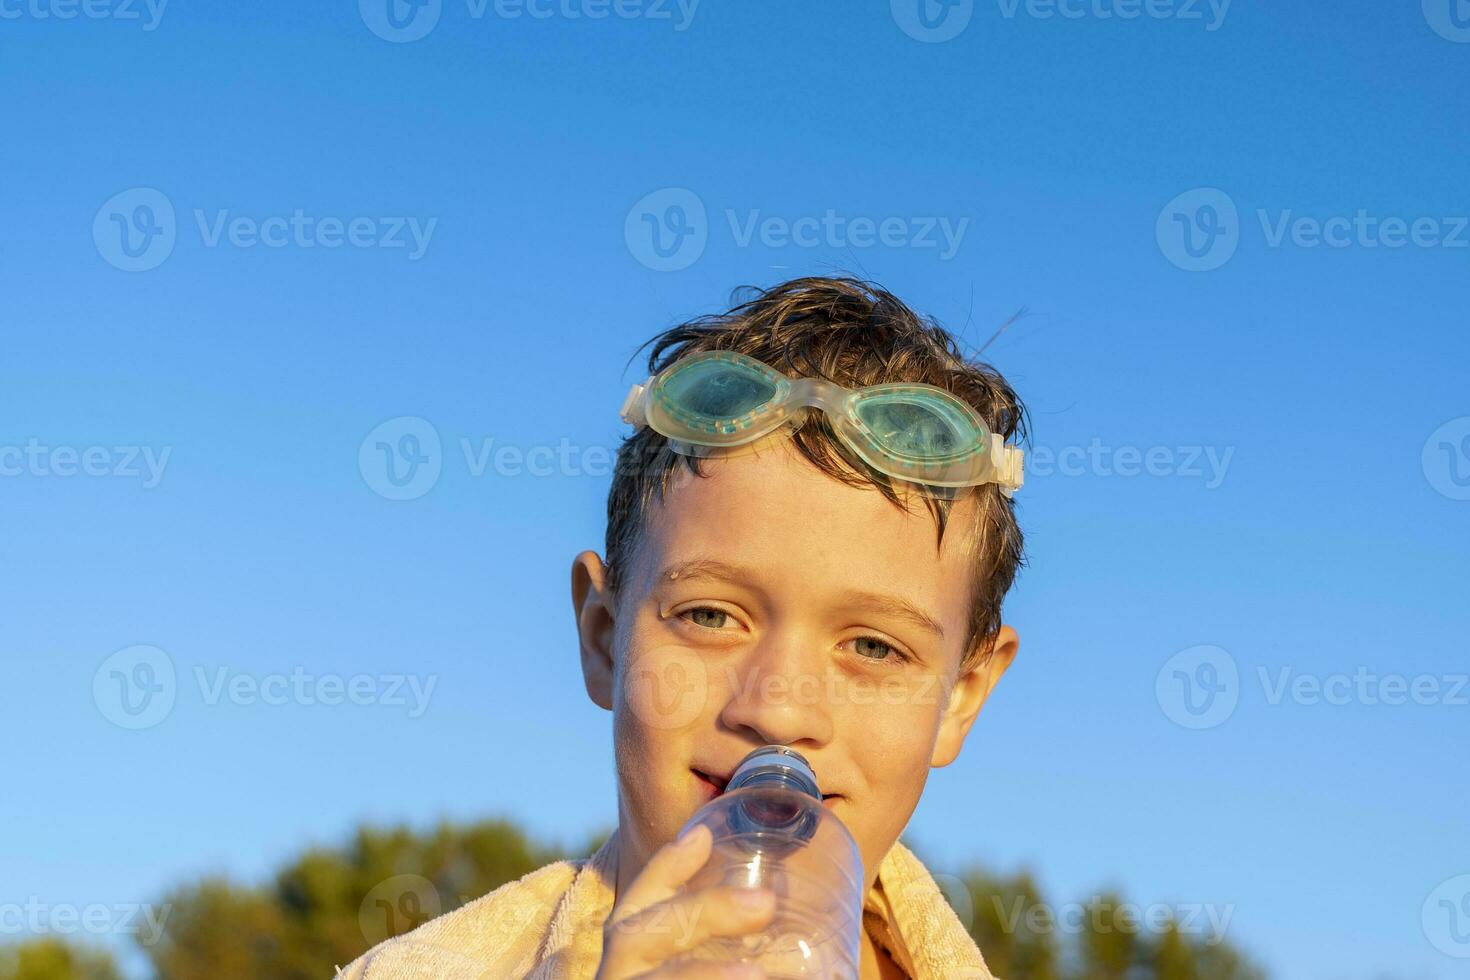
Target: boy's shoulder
pixel 496 935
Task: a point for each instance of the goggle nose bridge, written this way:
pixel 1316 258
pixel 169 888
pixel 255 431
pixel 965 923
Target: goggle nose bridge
pixel 817 393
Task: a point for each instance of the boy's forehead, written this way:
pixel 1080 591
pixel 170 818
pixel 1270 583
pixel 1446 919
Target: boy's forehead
pixel 774 515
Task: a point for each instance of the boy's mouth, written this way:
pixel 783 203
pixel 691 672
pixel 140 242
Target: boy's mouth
pixel 713 785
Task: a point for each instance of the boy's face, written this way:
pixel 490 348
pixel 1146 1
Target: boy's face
pixel 770 603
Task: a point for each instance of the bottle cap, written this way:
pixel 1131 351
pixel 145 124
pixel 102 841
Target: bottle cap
pixel 775 764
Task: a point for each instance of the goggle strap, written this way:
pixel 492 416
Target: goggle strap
pixel 633 411
pixel 1007 463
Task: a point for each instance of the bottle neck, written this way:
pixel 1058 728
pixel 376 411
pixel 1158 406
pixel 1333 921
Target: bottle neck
pixel 776 766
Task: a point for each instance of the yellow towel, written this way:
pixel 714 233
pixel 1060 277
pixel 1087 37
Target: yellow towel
pixel 548 926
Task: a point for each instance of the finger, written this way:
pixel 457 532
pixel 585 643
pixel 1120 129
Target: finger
pixel 669 868
pixel 663 931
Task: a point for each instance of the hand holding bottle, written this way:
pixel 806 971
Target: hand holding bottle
pixel 655 922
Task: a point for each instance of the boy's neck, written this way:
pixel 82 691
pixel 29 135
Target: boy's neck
pixel 876 963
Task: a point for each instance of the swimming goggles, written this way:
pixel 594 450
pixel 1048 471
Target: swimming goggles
pixel 719 403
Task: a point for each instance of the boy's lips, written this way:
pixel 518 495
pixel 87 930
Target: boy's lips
pixel 713 785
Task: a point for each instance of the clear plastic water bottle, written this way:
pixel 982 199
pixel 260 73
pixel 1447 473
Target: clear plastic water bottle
pixel 770 830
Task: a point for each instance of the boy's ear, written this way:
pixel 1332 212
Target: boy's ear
pixel 969 694
pixel 593 606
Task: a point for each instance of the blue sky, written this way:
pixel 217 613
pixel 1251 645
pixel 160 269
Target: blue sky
pixel 1239 234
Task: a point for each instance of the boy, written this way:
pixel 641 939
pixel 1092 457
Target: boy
pixel 833 585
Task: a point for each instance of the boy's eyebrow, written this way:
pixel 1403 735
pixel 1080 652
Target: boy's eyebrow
pixel 892 605
pixel 698 568
pixel 710 568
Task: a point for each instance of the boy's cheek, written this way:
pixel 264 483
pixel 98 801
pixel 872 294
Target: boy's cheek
pixel 647 774
pixel 665 688
pixel 663 700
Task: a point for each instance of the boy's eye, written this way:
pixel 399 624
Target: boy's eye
pixel 867 647
pixel 872 648
pixel 707 616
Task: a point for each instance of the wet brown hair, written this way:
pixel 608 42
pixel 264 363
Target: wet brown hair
pixel 855 334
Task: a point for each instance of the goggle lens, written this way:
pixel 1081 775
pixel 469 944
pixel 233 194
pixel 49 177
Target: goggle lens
pixel 716 391
pixel 918 425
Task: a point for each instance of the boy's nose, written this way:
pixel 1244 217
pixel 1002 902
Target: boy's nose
pixel 778 695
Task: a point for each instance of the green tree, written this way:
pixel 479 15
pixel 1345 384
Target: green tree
pixel 54 959
pixel 1013 926
pixel 1108 943
pixel 331 904
pixel 1173 956
pixel 217 929
pixel 1173 959
pixel 1217 961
